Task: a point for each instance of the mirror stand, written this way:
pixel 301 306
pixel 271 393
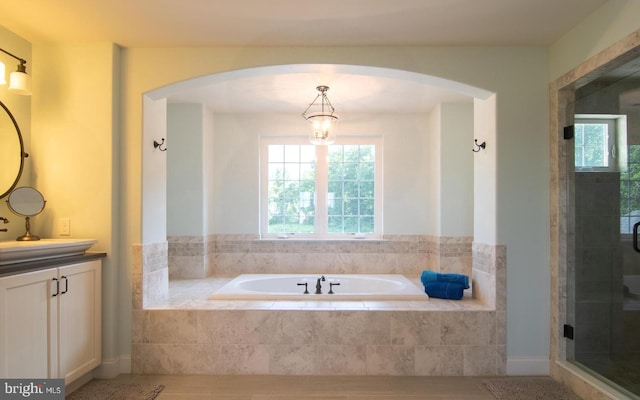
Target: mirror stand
pixel 28 236
pixel 26 202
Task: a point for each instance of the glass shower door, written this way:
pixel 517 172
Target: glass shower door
pixel 604 220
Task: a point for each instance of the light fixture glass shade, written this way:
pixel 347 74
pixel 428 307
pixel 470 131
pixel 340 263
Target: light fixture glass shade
pixel 322 129
pixel 20 83
pixel 322 121
pixel 3 81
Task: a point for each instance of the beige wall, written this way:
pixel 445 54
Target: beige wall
pixel 20 108
pixel 74 156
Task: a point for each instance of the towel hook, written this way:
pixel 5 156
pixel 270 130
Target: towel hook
pixel 480 146
pixel 157 145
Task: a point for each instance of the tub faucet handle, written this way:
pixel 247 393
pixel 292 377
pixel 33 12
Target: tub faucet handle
pixel 4 220
pixel 331 285
pixel 306 291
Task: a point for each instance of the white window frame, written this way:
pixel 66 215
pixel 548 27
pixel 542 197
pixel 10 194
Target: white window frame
pixel 321 186
pixel 613 122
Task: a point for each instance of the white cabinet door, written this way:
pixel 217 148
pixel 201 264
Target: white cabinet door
pixel 27 314
pixel 80 321
pixel 51 322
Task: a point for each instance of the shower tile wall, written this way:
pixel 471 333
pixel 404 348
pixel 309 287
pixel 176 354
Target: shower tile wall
pixel 599 302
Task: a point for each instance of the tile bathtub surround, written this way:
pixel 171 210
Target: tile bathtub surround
pixel 149 274
pixel 335 342
pixel 192 335
pixel 246 254
pixel 489 277
pixel 190 256
pixel 198 257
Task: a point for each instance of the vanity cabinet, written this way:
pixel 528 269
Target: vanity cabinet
pixel 50 322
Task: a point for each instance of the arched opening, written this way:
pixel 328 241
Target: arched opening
pixel 207 183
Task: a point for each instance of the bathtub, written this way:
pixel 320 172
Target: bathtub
pixel 291 287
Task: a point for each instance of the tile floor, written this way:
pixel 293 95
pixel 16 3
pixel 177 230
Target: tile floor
pixel 233 387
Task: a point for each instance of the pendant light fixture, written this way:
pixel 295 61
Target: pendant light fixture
pixel 322 120
pixel 19 81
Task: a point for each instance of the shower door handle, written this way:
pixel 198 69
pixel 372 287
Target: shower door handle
pixel 635 237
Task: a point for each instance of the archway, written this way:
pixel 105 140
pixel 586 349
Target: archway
pixel 154 193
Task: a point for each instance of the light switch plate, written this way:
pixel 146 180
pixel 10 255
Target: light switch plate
pixel 65 227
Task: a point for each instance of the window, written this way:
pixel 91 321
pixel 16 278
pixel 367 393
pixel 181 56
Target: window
pixel 594 143
pixel 321 191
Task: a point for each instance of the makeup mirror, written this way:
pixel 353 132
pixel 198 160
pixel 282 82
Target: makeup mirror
pixel 27 202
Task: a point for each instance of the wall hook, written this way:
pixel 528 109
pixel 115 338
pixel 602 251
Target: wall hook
pixel 480 146
pixel 157 145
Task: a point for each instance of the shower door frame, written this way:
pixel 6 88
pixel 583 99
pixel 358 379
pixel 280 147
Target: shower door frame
pixel 561 111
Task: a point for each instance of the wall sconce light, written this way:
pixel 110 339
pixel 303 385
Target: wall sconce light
pixel 322 121
pixel 19 81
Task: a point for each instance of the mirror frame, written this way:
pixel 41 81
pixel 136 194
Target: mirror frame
pixel 33 191
pixel 23 155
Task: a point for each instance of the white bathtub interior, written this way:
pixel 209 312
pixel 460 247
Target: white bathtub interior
pixel 343 286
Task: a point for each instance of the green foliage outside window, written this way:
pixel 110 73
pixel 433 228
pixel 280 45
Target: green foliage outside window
pixel 351 189
pixel 292 189
pixel 630 191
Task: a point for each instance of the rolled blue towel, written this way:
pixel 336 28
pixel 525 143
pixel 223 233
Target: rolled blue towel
pixel 431 276
pixel 444 290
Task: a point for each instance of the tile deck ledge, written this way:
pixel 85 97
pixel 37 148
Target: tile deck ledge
pixel 191 294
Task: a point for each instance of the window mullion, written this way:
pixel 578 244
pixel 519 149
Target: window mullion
pixel 322 187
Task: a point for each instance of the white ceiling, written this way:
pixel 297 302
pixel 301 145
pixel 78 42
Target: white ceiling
pixel 171 23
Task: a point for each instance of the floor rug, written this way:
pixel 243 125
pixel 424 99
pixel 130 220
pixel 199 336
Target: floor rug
pixel 536 388
pixel 100 390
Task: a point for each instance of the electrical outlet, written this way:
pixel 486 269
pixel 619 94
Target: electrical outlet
pixel 65 227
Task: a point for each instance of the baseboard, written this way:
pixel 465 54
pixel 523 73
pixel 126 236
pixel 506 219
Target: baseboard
pixel 528 366
pixel 109 369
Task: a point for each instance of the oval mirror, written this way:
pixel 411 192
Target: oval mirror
pixel 27 202
pixel 11 152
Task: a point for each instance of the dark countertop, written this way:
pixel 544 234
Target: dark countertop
pixel 30 266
